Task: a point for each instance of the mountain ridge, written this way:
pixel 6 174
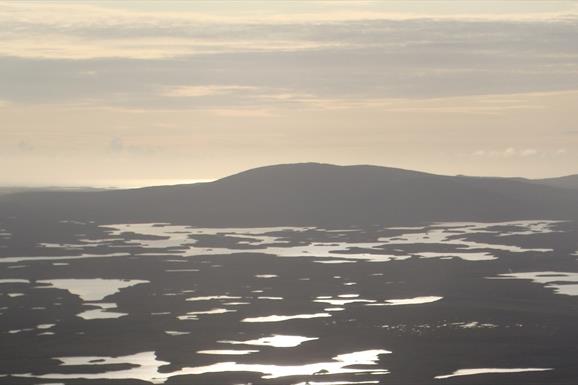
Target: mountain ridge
pixel 568 181
pixel 310 194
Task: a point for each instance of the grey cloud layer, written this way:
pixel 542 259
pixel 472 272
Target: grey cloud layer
pixel 359 59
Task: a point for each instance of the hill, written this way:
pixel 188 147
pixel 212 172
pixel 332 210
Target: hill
pixel 570 181
pixel 308 194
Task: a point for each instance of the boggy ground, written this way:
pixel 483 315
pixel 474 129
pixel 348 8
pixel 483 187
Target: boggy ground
pixel 169 293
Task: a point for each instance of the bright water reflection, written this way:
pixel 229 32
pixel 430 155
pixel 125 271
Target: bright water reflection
pixel 339 364
pixel 562 282
pixel 470 372
pixel 92 289
pixel 278 341
pixel 227 352
pixel 279 318
pixel 147 367
pixel 408 301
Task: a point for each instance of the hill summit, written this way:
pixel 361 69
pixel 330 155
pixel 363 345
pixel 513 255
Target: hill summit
pixel 311 194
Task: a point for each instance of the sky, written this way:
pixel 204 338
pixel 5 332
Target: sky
pixel 130 93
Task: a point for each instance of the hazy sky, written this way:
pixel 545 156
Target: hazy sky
pixel 113 92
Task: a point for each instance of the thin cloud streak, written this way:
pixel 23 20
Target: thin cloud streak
pixel 85 32
pixel 208 90
pixel 82 15
pixel 149 48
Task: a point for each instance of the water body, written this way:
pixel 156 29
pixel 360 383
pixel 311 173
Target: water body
pixel 472 372
pixel 408 301
pixel 278 341
pixel 564 283
pixel 280 318
pixel 147 367
pixel 291 305
pixel 339 365
pixel 92 289
pixel 103 311
pixel 223 352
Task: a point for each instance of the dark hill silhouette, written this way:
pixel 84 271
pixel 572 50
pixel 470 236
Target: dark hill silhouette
pixel 570 181
pixel 309 194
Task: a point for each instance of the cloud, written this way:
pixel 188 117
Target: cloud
pixel 207 90
pixel 513 152
pixel 73 15
pixel 478 104
pixel 529 152
pixel 63 30
pixel 319 63
pixel 25 146
pixel 311 57
pixel 118 146
pixel 70 47
pixel 243 112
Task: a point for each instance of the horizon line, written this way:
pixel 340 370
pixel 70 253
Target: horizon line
pixel 135 183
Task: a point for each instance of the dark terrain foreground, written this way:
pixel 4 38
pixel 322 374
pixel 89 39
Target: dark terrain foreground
pixel 372 275
pixel 83 303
